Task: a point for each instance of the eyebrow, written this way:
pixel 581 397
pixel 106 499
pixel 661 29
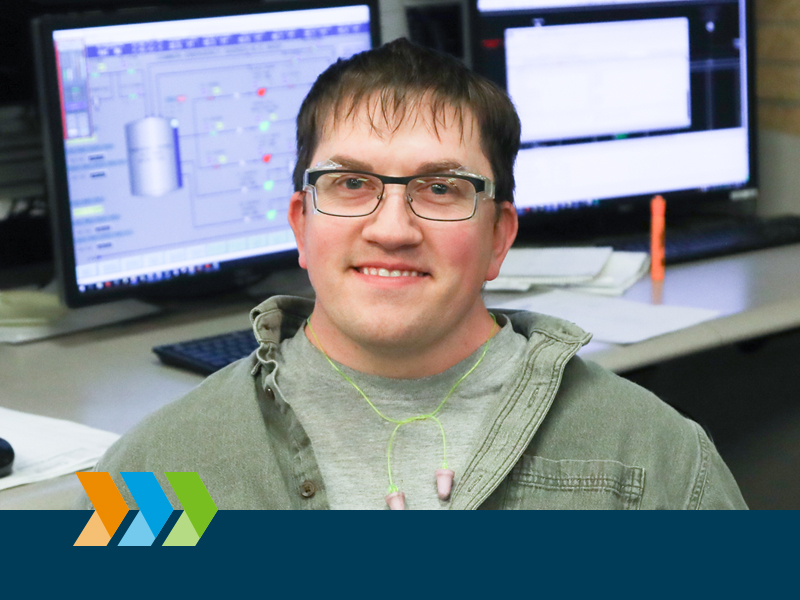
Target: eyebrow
pixel 429 167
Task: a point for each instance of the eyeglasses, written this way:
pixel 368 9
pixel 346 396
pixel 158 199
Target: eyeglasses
pixel 451 196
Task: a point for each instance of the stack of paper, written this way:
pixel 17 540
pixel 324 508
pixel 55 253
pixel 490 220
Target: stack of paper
pixel 593 270
pixel 46 448
pixel 622 270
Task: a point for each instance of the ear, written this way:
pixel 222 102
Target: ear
pixel 297 221
pixel 505 232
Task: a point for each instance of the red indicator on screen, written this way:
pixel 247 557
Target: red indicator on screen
pixel 266 158
pixel 261 91
pixel 181 98
pixel 492 44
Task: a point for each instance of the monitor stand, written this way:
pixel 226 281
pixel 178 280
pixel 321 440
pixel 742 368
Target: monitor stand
pixel 29 315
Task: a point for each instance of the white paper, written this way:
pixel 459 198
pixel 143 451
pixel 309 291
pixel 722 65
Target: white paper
pixel 621 271
pixel 612 320
pixel 525 267
pixel 45 448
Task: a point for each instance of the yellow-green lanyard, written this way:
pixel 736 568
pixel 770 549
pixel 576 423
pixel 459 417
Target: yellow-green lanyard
pixel 400 422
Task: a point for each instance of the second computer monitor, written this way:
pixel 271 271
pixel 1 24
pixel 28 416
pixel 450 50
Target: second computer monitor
pixel 623 99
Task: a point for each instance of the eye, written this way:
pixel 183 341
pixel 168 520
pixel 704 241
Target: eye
pixel 354 183
pixel 437 187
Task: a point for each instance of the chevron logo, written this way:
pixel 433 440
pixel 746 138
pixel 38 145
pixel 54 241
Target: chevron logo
pixel 154 509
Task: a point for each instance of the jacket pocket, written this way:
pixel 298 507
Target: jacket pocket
pixel 542 483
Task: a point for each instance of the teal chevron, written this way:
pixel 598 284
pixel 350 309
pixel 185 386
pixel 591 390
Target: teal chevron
pixel 198 509
pixel 154 509
pixel 138 534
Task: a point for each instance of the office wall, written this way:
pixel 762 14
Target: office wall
pixel 393 20
pixel 393 17
pixel 778 90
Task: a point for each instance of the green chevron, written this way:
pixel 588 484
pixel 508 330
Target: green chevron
pixel 183 534
pixel 198 509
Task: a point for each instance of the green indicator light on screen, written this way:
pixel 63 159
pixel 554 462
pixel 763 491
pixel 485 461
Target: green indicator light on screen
pixel 268 185
pixel 86 211
pixel 217 90
pixel 264 125
pixel 272 214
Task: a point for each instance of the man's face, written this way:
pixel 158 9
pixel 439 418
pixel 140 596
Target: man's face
pixel 442 265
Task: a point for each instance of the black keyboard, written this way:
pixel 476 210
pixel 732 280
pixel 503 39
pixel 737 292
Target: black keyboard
pixel 710 241
pixel 210 354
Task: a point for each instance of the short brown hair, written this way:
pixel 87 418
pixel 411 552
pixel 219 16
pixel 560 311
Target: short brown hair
pixel 403 77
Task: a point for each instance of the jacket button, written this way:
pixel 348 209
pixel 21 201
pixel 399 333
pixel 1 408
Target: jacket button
pixel 269 393
pixel 308 489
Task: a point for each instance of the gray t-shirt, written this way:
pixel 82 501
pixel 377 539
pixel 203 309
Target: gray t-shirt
pixel 350 440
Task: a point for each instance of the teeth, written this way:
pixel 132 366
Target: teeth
pixel 388 273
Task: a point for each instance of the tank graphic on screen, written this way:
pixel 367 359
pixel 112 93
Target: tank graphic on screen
pixel 153 156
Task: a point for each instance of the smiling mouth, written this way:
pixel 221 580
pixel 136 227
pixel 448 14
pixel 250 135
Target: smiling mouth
pixel 380 272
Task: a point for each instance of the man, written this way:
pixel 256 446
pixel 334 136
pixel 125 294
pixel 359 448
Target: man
pixel 397 387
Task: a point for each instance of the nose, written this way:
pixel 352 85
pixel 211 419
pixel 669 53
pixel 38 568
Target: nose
pixel 393 225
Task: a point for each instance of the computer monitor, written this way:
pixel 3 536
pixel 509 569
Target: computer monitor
pixel 170 139
pixel 620 100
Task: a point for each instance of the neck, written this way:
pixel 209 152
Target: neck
pixel 403 361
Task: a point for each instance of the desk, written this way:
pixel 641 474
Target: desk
pixel 110 379
pixel 757 293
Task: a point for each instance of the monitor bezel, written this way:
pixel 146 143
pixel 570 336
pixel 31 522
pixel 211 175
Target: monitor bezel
pixel 232 274
pixel 607 217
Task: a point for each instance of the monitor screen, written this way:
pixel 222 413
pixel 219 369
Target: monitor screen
pixel 172 138
pixel 623 99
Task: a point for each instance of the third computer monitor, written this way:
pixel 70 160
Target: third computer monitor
pixel 622 99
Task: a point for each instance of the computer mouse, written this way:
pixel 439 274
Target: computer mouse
pixel 6 458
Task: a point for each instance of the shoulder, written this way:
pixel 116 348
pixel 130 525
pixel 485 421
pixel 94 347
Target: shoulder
pixel 215 429
pixel 226 396
pixel 600 416
pixel 589 391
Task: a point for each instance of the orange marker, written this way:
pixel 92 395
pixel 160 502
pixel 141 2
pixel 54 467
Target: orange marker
pixel 658 208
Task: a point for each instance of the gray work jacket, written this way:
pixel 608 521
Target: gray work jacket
pixel 565 434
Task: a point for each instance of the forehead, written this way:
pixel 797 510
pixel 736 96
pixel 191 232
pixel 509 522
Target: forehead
pixel 420 131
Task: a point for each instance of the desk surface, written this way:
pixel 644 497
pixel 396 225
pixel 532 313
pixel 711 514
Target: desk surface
pixel 110 379
pixel 757 294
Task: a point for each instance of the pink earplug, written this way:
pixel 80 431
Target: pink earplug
pixel 444 482
pixel 396 501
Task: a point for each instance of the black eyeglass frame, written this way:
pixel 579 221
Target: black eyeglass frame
pixel 483 185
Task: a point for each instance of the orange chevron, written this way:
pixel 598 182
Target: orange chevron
pixel 109 507
pixel 94 534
